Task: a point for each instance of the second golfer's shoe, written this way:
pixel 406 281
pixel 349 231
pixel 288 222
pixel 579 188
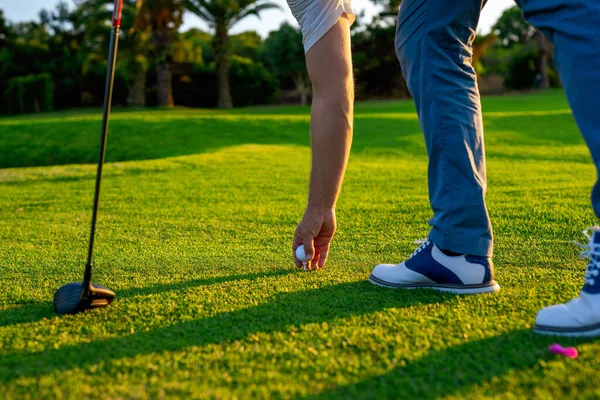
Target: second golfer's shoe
pixel 430 268
pixel 580 316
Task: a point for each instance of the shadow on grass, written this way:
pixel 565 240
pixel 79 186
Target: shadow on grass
pixel 283 311
pixel 26 312
pixel 453 370
pixel 155 135
pixel 35 311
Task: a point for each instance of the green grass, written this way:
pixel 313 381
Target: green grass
pixel 197 214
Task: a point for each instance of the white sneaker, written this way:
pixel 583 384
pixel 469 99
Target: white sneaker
pixel 430 268
pixel 580 316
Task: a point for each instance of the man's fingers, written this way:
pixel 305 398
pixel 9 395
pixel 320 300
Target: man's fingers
pixel 314 264
pixel 323 253
pixel 297 242
pixel 309 250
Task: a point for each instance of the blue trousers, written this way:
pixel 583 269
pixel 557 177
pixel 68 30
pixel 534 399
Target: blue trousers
pixel 433 44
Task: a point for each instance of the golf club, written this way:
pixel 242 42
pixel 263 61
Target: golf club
pixel 80 296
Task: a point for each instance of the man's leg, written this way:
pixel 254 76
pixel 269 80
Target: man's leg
pixel 433 44
pixel 574 28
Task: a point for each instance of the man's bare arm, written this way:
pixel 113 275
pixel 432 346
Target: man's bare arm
pixel 330 69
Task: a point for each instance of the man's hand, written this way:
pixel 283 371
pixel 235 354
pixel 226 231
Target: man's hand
pixel 315 232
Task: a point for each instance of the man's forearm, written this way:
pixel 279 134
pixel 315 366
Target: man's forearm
pixel 330 69
pixel 331 138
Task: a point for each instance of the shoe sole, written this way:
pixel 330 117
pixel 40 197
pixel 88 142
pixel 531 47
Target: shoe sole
pixel 586 331
pixel 491 287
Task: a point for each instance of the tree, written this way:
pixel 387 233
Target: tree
pixel 222 15
pixel 200 39
pixel 94 18
pixel 5 30
pixel 512 29
pixel 163 17
pixel 6 37
pixel 284 54
pixel 481 45
pixel 390 7
pixel 6 53
pixel 52 46
pixel 246 44
pixel 376 68
pixel 190 47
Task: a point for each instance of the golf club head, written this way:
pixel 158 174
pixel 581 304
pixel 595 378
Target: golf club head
pixel 76 297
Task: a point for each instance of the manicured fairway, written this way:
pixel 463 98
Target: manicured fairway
pixel 197 214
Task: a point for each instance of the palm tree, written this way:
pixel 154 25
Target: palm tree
pixel 94 18
pixel 163 17
pixel 222 15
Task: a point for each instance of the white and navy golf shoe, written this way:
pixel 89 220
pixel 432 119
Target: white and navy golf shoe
pixel 430 268
pixel 580 316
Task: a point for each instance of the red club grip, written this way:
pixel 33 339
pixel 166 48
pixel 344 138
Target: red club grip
pixel 117 13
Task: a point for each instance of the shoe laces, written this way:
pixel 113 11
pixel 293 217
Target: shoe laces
pixel 592 252
pixel 423 244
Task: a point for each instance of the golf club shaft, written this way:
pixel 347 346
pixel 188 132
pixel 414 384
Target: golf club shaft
pixel 110 77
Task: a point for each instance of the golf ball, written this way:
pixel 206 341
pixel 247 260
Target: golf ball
pixel 301 254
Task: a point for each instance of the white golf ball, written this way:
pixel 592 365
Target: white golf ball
pixel 301 254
